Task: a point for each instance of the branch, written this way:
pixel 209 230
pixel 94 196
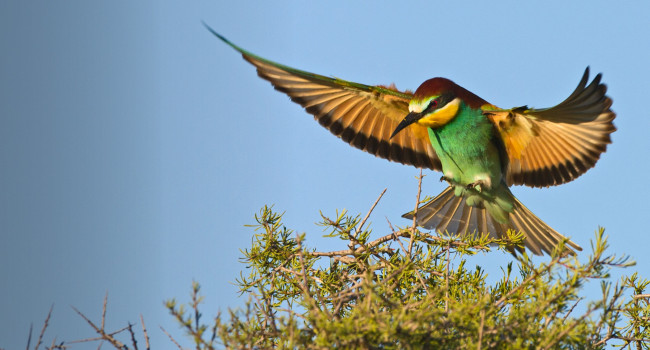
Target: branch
pixel 415 212
pixel 358 229
pixel 100 331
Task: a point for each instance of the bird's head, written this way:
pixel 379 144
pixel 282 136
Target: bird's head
pixel 436 102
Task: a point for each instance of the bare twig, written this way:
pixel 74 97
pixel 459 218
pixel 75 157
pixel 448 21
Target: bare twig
pixel 101 331
pixel 358 229
pixel 86 340
pixel 214 329
pixel 104 309
pixel 641 296
pixel 144 330
pixel 45 324
pixel 394 235
pixel 133 341
pixel 29 336
pixel 171 338
pixel 571 310
pixel 404 233
pixel 415 212
pixel 54 346
pixel 447 280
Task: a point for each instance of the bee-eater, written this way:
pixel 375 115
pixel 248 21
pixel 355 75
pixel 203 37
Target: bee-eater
pixel 481 149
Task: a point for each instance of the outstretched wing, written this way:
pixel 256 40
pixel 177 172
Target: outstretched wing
pixel 361 115
pixel 552 146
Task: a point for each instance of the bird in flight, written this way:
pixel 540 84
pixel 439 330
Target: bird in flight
pixel 480 149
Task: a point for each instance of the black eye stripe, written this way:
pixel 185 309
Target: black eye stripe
pixel 438 103
pixel 433 105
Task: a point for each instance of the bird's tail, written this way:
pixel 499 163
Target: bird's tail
pixel 450 213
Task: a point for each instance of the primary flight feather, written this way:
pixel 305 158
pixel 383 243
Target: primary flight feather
pixel 481 149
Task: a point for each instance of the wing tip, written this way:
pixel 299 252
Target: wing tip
pixel 221 37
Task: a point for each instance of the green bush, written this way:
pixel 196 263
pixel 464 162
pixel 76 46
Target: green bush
pixel 413 290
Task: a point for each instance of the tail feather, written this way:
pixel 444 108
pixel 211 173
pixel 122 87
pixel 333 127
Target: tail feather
pixel 535 241
pixel 450 213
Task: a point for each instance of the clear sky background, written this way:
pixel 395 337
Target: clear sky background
pixel 135 146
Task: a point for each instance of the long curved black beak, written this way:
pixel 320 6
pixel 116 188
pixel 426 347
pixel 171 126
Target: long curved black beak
pixel 408 120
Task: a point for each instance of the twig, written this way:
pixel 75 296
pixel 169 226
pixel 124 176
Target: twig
pixel 171 338
pixel 214 329
pixel 118 331
pixel 353 240
pixel 29 336
pixel 97 338
pixel 362 248
pixel 53 345
pixel 104 309
pixel 358 229
pixel 447 280
pixel 640 296
pixel 45 324
pixel 133 341
pixel 299 274
pixel 388 237
pixel 144 330
pixel 85 340
pixel 610 307
pixel 571 310
pixel 415 213
pixel 626 339
pixel 394 235
pixel 100 331
pixel 291 312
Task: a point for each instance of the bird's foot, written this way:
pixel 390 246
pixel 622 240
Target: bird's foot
pixel 449 180
pixel 476 185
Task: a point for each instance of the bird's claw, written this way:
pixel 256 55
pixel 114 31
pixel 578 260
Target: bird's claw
pixel 450 181
pixel 476 185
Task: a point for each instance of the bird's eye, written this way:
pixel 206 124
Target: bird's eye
pixel 432 105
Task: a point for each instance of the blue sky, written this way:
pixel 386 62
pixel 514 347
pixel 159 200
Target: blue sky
pixel 135 146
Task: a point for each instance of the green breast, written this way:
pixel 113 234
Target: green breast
pixel 465 147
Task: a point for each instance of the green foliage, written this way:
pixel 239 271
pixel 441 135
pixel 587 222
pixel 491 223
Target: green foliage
pixel 413 290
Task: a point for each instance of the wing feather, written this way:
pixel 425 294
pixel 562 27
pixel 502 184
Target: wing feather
pixel 363 116
pixel 552 146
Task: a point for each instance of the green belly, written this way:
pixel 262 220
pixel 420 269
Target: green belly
pixel 468 154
